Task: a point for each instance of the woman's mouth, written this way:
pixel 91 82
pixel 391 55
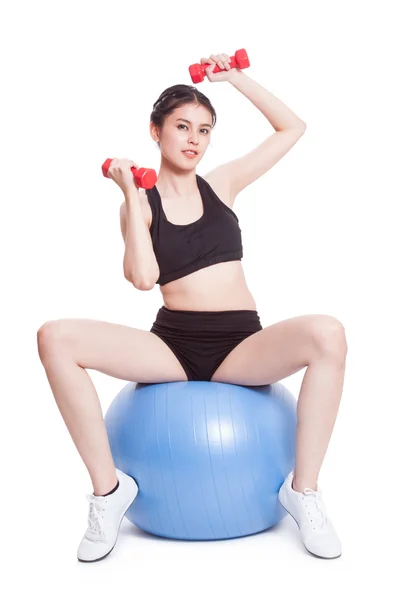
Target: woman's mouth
pixel 189 153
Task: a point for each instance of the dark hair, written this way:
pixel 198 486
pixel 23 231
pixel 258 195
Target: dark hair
pixel 176 96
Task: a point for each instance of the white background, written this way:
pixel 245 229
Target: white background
pixel 320 235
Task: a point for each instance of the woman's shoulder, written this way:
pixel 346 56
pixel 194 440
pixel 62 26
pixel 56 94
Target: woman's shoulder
pixel 145 206
pixel 220 185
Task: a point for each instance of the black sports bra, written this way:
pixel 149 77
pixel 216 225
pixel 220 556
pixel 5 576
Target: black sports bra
pixel 183 249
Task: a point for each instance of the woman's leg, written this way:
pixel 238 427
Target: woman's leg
pixel 317 409
pixel 317 342
pixel 67 348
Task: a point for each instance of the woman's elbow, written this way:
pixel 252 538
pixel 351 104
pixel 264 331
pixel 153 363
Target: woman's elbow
pixel 141 284
pixel 145 286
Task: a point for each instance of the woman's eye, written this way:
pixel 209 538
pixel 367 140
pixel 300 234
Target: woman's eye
pixel 182 125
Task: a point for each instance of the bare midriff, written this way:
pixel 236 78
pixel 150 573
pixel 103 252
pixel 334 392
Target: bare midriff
pixel 217 287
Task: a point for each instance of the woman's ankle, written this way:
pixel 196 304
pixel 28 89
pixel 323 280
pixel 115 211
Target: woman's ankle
pixel 299 486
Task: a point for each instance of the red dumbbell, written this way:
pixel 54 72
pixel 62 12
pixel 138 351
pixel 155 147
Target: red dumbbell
pixel 144 178
pixel 240 60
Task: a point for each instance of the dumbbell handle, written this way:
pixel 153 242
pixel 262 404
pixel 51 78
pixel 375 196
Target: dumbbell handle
pixel 240 60
pixel 217 69
pixel 145 178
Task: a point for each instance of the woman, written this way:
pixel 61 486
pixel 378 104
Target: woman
pixel 184 235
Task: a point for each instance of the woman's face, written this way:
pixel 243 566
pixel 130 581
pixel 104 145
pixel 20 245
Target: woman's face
pixel 187 127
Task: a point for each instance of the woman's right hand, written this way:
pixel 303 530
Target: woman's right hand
pixel 120 172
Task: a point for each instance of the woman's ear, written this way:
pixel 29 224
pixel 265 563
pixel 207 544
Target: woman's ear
pixel 154 132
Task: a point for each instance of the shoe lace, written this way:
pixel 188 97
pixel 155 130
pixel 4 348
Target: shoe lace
pixel 316 508
pixel 96 507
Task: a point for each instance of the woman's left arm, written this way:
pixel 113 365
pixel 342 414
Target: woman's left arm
pixel 242 171
pixel 277 113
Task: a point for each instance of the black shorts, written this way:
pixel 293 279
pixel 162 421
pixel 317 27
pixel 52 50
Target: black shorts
pixel 201 340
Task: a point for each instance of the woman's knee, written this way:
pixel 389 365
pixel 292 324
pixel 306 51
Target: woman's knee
pixel 51 335
pixel 329 337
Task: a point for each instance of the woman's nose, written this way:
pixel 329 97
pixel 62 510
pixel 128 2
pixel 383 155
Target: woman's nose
pixel 193 138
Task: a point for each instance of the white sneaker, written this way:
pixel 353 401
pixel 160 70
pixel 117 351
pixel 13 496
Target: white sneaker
pixel 308 510
pixel 105 517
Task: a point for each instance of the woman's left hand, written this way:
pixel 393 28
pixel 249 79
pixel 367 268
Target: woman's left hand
pixel 222 60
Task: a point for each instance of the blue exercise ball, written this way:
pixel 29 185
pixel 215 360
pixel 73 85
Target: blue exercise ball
pixel 209 458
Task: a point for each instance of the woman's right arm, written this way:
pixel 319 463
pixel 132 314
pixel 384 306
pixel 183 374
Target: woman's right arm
pixel 140 263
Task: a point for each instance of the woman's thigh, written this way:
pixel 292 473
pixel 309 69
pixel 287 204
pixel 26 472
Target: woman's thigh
pixel 281 350
pixel 117 350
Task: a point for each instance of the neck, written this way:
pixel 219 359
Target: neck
pixel 173 182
